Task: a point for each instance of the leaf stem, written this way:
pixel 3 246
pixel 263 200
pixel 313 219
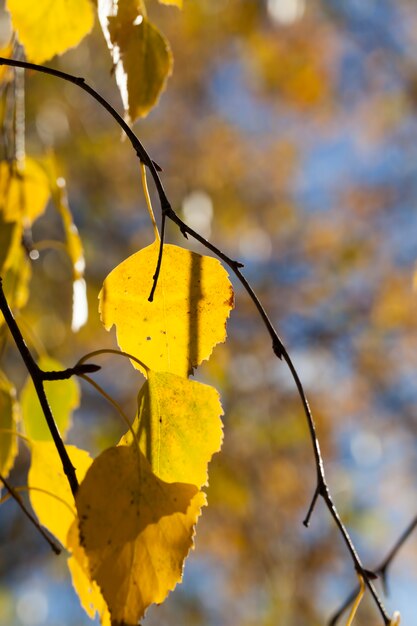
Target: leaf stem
pixel 148 201
pixel 110 351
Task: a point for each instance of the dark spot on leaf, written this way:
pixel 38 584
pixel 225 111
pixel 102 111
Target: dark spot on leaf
pixel 148 338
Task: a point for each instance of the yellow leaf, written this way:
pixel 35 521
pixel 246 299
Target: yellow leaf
pixel 63 397
pixel 53 503
pixel 47 28
pixel 141 54
pixel 178 3
pixel 57 511
pixel 136 531
pixel 9 415
pixel 24 191
pixel 187 317
pixel 178 427
pixel 87 590
pixel 16 280
pixel 10 239
pixel 76 256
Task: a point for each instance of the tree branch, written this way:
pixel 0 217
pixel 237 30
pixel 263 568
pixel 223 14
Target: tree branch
pixel 278 348
pixel 38 377
pixel 382 570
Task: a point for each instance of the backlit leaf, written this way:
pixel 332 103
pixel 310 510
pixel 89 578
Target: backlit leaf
pixel 53 503
pixel 76 256
pixel 63 397
pixel 24 191
pixel 47 28
pixel 10 239
pixel 87 589
pixel 187 317
pixel 141 54
pixel 16 280
pixel 57 511
pixel 136 546
pixel 178 3
pixel 9 415
pixel 178 427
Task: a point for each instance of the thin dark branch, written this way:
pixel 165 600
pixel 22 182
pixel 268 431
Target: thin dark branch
pixel 277 345
pixel 307 518
pixel 38 377
pixel 29 515
pixel 382 570
pixel 77 370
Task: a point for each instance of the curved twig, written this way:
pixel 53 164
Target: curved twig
pixel 279 350
pixel 381 570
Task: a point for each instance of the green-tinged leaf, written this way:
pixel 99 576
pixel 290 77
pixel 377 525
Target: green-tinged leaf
pixel 9 416
pixel 178 427
pixel 63 397
pixel 47 28
pixel 187 317
pixel 24 191
pixel 49 491
pixel 141 54
pixel 136 531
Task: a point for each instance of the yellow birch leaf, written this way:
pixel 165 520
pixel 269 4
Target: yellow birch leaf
pixel 178 3
pixel 141 54
pixel 57 511
pixel 76 256
pixel 16 280
pixel 87 589
pixel 9 415
pixel 136 531
pixel 10 239
pixel 63 397
pixel 47 28
pixel 24 191
pixel 178 427
pixel 187 317
pixel 53 503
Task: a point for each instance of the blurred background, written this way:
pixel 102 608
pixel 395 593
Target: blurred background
pixel 288 136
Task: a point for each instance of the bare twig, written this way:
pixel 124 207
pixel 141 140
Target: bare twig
pixel 279 350
pixel 381 570
pixel 29 515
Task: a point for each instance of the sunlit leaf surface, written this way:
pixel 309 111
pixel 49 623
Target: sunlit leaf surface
pixel 47 28
pixel 178 427
pixel 187 317
pixel 50 494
